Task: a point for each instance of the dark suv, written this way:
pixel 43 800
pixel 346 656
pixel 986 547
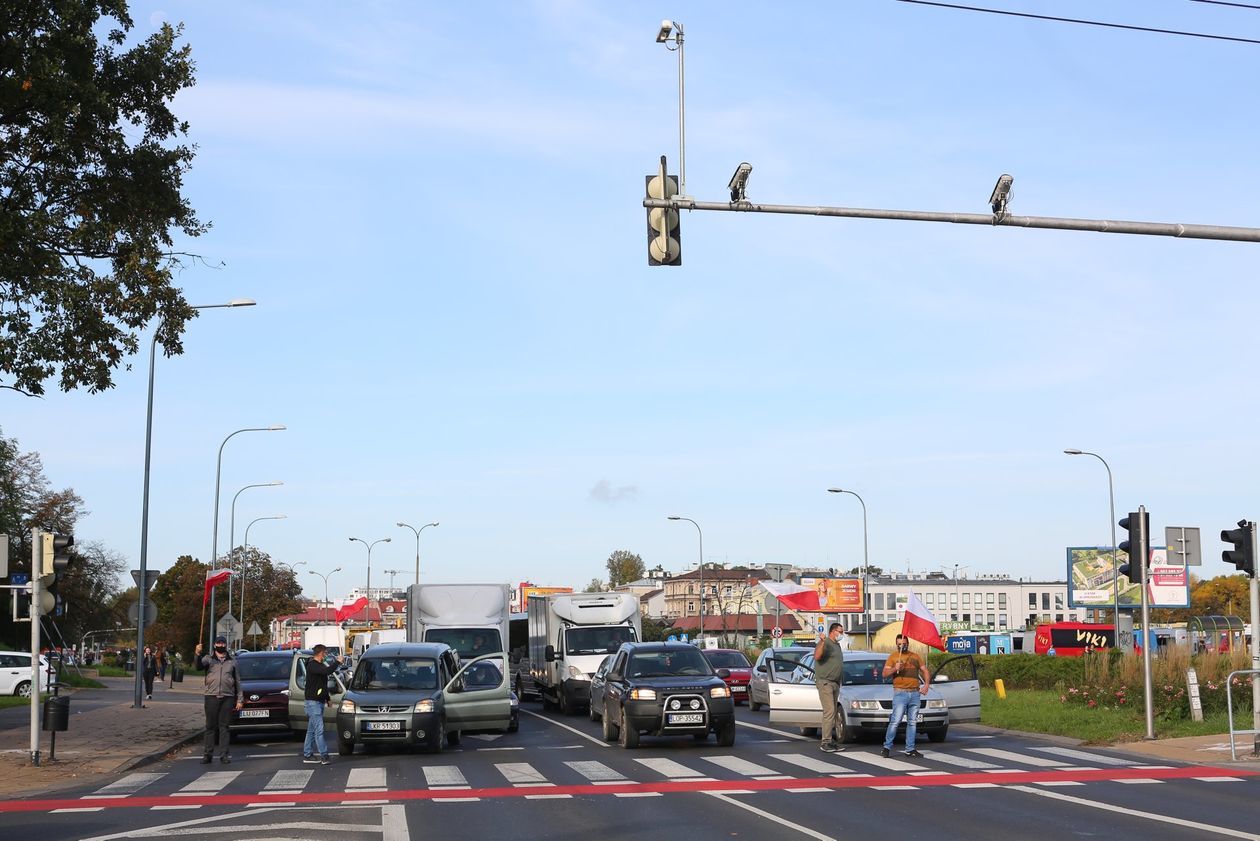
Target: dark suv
pixel 665 689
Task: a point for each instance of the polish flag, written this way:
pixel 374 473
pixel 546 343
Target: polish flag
pixel 793 595
pixel 920 625
pixel 346 611
pixel 212 580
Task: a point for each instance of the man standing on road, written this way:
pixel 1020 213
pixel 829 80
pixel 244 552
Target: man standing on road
pixel 828 672
pixel 910 683
pixel 316 698
pixel 223 689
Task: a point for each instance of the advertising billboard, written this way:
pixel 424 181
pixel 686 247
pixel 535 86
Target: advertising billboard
pixel 837 595
pixel 520 599
pixel 1092 573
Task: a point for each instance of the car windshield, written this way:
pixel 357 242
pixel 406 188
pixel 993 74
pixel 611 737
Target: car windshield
pixel 601 640
pixel 264 668
pixel 865 671
pixel 394 673
pixel 726 659
pixel 686 661
pixel 469 642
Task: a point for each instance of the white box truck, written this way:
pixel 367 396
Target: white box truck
pixel 331 636
pixel 570 634
pixel 470 618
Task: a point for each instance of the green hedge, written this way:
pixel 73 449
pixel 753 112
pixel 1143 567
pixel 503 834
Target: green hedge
pixel 1020 671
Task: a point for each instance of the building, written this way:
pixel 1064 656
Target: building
pixel 986 601
pixel 726 591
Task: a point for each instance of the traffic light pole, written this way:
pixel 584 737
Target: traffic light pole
pixel 1143 552
pixel 1255 648
pixel 36 611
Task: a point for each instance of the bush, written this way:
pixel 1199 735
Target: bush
pixel 1020 671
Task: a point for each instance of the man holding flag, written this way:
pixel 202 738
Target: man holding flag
pixel 910 674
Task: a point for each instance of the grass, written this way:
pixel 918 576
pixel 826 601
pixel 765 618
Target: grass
pixel 103 670
pixel 7 701
pixel 1041 711
pixel 72 678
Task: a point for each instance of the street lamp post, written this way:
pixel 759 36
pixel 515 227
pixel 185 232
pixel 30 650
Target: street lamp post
pixel 1115 561
pixel 701 534
pixel 957 594
pixel 245 560
pixel 214 540
pixel 417 533
pixel 325 576
pixel 232 533
pixel 866 565
pixel 369 561
pixel 292 567
pixel 144 505
pixel 673 31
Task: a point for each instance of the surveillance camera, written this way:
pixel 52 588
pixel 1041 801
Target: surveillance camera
pixel 667 26
pixel 1001 193
pixel 739 182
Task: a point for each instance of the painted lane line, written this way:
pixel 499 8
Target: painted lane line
pixel 639 794
pixel 976 785
pixel 443 775
pixel 362 778
pixel 1019 758
pixel 573 730
pixel 269 805
pixel 1092 758
pixel 812 790
pixel 549 797
pixel 83 809
pixel 1151 767
pixel 1139 781
pixel 129 784
pixel 795 736
pixel 894 788
pixel 803 830
pixel 172 808
pixel 743 766
pixel 1061 783
pixel 457 800
pixel 1137 813
pixel 597 772
pixel 498 749
pixel 1219 779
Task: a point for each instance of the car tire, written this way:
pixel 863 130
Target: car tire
pixel 938 735
pixel 547 703
pixel 23 689
pixel 565 707
pixel 344 748
pixel 755 706
pixel 590 712
pixel 726 736
pixel 845 734
pixel 453 738
pixel 629 736
pixel 610 729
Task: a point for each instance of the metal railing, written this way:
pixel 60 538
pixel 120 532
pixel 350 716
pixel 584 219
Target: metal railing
pixel 1229 705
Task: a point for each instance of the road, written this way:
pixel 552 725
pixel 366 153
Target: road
pixel 556 779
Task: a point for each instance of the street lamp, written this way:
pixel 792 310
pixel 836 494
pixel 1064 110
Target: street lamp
pixel 699 532
pixel 672 31
pixel 957 595
pixel 369 565
pixel 292 567
pixel 232 533
pixel 245 559
pixel 214 540
pixel 1115 561
pixel 325 576
pixel 417 532
pixel 866 615
pixel 144 506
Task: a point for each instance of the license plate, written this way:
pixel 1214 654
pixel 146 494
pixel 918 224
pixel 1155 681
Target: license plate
pixel 383 725
pixel 255 713
pixel 686 718
pixel 739 688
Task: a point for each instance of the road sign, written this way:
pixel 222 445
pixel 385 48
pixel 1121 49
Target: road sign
pixel 229 626
pixel 778 572
pixel 19 578
pixel 150 613
pixel 777 633
pixel 254 629
pixel 150 578
pixel 1183 546
pixel 671 638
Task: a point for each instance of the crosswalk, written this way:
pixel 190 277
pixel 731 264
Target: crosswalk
pixel 457 783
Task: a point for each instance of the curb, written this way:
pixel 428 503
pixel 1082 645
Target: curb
pixel 156 756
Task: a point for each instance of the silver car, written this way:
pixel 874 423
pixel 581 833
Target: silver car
pixel 759 683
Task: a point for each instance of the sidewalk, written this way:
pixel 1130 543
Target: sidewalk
pixel 111 738
pixel 1195 750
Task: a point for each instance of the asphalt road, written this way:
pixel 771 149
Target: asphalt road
pixel 556 779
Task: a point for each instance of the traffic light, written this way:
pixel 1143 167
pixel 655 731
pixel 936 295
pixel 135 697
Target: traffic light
pixel 1243 555
pixel 663 227
pixel 54 558
pixel 62 547
pixel 1137 546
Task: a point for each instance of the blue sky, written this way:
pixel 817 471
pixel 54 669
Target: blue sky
pixel 437 208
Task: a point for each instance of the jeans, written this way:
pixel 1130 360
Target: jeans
pixel 905 702
pixel 315 742
pixel 218 716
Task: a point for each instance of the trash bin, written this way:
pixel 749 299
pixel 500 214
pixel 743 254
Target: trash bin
pixel 57 713
pixel 177 675
pixel 130 667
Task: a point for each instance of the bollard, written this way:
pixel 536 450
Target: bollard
pixel 1000 686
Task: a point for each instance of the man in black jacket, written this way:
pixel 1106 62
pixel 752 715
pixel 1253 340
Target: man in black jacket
pixel 223 689
pixel 316 698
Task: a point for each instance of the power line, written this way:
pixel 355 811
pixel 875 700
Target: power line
pixel 1227 3
pixel 1082 22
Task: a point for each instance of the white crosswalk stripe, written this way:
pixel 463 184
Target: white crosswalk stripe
pixel 287 782
pixel 522 774
pixel 369 779
pixel 597 772
pixel 884 762
pixel 1091 758
pixel 1020 758
pixel 744 767
pixel 211 782
pixel 128 785
pixel 671 769
pixel 810 763
pixel 960 761
pixel 443 776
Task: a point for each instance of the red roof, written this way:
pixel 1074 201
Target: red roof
pixel 742 622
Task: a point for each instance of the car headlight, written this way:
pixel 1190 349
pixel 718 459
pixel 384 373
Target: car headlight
pixel 864 705
pixel 722 691
pixel 425 706
pixel 347 706
pixel 284 692
pixel 575 672
pixel 937 704
pixel 643 694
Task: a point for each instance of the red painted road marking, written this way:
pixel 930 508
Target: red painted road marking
pixel 668 787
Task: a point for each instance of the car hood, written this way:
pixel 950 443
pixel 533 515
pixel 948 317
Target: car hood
pixel 696 683
pixel 263 687
pixel 388 698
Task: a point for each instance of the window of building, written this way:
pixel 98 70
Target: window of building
pixel 1002 620
pixel 953 600
pixel 927 599
pixel 940 599
pixel 691 606
pixel 1045 602
pixel 966 617
pixel 1032 600
pixel 988 598
pixel 877 601
pixel 989 619
pixel 966 600
pixel 1001 600
pixel 1058 601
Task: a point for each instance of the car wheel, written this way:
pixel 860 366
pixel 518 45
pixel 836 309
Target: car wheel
pixel 515 724
pixel 755 706
pixel 844 733
pixel 938 735
pixel 726 736
pixel 452 738
pixel 590 712
pixel 565 707
pixel 548 704
pixel 629 736
pixel 344 748
pixel 23 689
pixel 610 729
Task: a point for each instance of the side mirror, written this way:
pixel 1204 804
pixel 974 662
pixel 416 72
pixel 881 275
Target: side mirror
pixel 762 667
pixel 549 653
pixel 723 673
pixel 942 679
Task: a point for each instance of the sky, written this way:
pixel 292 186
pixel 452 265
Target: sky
pixel 438 210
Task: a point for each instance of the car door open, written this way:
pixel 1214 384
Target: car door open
pixel 793 704
pixel 958 683
pixel 477 697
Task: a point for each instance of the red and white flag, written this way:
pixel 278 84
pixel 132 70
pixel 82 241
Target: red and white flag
pixel 346 611
pixel 212 580
pixel 793 595
pixel 920 625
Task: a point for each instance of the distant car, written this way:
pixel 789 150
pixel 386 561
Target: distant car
pixel 664 689
pixel 758 683
pixel 15 673
pixel 595 709
pixel 733 667
pixel 265 686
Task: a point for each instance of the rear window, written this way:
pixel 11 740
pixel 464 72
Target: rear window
pixel 264 668
pixel 726 659
pixel 395 674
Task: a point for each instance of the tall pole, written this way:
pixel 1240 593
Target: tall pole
pixel 214 540
pixel 245 560
pixel 369 560
pixel 701 534
pixel 682 116
pixel 138 700
pixel 1144 561
pixel 325 576
pixel 36 614
pixel 232 535
pixel 417 533
pixel 1115 561
pixel 1254 586
pixel 866 565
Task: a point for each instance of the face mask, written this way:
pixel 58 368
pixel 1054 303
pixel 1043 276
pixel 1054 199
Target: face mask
pixel 220 649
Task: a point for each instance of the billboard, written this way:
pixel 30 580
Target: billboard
pixel 1092 573
pixel 837 595
pixel 521 600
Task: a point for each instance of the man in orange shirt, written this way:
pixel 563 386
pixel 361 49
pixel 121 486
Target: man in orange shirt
pixel 910 683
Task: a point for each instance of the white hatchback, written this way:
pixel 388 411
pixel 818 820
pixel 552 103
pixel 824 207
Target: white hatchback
pixel 15 673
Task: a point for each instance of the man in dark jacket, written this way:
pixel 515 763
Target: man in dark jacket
pixel 223 689
pixel 316 698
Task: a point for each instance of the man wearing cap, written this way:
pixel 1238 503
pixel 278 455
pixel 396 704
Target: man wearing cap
pixel 828 672
pixel 223 689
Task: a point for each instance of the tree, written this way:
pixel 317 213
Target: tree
pixel 91 173
pixel 269 591
pixel 596 586
pixel 177 595
pixel 624 567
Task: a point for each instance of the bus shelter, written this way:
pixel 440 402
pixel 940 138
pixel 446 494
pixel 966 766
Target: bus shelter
pixel 1217 633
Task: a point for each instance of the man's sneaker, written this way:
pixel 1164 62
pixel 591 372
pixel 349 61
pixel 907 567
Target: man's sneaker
pixel 226 760
pixel 914 754
pixel 827 747
pixel 883 752
pixel 324 760
pixel 310 760
pixel 207 759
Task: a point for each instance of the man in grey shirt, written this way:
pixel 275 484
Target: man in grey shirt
pixel 828 673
